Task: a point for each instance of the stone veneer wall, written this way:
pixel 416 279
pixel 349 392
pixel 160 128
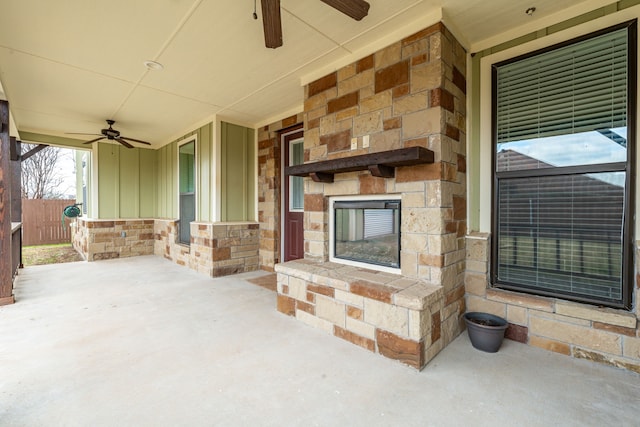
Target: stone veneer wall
pixel 412 93
pixel 269 184
pixel 217 249
pixel 98 239
pixel 395 316
pixel 584 331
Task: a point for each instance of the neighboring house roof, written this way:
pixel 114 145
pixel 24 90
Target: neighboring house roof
pixel 560 206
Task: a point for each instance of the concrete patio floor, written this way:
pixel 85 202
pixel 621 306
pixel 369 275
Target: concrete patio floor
pixel 142 341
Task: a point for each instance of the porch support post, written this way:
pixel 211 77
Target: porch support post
pixel 16 197
pixel 16 183
pixel 14 149
pixel 6 274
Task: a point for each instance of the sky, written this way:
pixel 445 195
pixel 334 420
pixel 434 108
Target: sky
pixel 65 169
pixel 586 148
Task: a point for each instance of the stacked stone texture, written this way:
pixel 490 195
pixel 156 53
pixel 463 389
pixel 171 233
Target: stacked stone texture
pixel 412 93
pixel 269 183
pixel 106 239
pixel 602 335
pixel 398 317
pixel 216 249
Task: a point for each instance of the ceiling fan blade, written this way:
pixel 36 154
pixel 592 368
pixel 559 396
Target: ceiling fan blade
pixel 94 140
pixel 123 142
pixel 135 140
pixel 271 23
pixel 81 133
pixel 356 9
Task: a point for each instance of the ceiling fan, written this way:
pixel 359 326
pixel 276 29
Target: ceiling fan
pixel 110 134
pixel 356 9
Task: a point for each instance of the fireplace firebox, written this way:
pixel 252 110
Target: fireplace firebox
pixel 366 232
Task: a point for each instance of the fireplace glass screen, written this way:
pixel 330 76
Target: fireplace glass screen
pixel 368 231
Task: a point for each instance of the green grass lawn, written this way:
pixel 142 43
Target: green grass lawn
pixel 49 254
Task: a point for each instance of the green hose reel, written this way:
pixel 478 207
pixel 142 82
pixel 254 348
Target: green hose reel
pixel 71 211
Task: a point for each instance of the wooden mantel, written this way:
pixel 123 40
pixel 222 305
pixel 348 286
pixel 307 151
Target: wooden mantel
pixel 381 164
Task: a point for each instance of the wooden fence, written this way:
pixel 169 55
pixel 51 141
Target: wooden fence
pixel 41 222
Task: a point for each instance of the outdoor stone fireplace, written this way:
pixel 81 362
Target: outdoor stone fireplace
pixel 365 232
pixel 404 107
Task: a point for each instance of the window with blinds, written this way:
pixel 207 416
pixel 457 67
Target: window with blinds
pixel 563 152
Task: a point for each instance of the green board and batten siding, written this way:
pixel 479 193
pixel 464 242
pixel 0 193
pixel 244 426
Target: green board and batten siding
pixel 166 181
pixel 126 182
pixel 130 169
pixel 238 173
pixel 204 173
pixel 143 183
pixel 148 187
pixel 108 181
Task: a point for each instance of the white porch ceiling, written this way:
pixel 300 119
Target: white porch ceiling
pixel 67 65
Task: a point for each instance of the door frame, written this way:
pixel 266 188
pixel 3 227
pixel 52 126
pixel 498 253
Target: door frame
pixel 282 134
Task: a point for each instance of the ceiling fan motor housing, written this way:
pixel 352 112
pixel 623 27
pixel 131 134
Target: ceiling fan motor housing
pixel 111 133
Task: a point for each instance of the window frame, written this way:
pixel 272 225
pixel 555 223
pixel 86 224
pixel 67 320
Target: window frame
pixel 628 167
pixel 292 178
pixel 191 139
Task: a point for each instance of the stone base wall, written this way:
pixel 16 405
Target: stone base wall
pixel 398 317
pixel 165 233
pixel 217 249
pixel 584 331
pixel 97 239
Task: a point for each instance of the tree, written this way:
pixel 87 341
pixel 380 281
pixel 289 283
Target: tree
pixel 41 178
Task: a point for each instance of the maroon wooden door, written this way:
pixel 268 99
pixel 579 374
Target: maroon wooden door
pixel 293 198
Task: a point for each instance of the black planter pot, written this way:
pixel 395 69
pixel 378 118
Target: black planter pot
pixel 486 331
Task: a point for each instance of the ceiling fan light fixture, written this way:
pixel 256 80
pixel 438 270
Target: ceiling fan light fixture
pixel 153 65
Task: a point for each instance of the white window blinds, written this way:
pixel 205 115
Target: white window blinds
pixel 577 88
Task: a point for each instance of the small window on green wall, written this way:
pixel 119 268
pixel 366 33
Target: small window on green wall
pixel 187 162
pixel 186 168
